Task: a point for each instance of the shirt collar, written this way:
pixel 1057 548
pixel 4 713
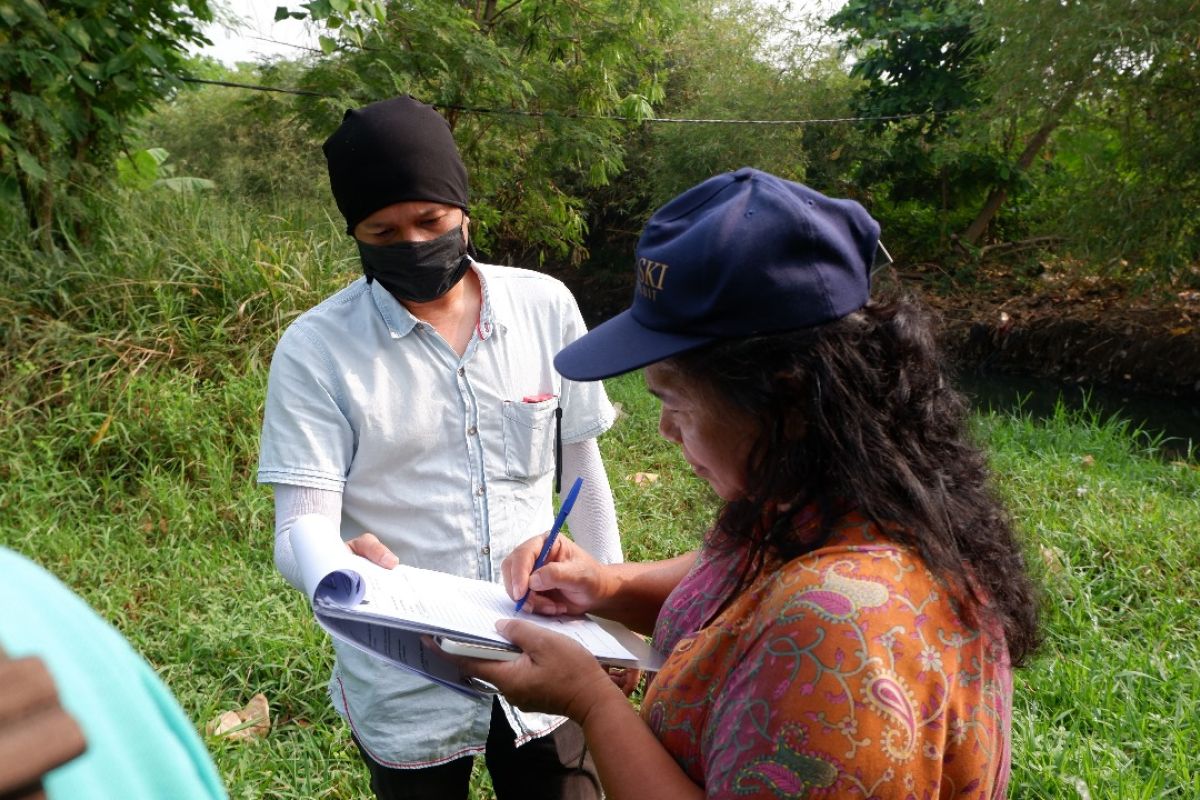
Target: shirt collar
pixel 489 320
pixel 396 317
pixel 400 321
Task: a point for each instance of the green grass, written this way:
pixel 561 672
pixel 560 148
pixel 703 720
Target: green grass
pixel 1112 699
pixel 132 375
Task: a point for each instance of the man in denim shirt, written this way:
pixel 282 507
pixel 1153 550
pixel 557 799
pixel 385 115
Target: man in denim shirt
pixel 418 408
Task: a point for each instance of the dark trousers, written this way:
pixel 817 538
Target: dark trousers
pixel 552 767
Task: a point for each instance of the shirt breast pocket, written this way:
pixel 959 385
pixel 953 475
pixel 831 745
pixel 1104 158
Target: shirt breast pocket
pixel 529 438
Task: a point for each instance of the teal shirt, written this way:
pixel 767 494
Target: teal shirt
pixel 140 744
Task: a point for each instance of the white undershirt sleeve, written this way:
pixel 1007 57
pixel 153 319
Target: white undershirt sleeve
pixel 593 519
pixel 290 503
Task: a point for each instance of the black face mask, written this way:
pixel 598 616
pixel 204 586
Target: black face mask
pixel 417 271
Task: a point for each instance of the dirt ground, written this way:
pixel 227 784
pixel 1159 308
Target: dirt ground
pixel 1055 325
pixel 1071 329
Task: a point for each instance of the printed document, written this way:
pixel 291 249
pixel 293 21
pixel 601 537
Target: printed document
pixel 387 611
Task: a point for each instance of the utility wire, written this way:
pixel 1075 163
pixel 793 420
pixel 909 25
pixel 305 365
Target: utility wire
pixel 613 117
pixel 303 47
pixel 233 85
pixel 698 121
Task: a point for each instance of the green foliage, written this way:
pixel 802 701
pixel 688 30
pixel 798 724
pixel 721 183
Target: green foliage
pixel 139 170
pixel 727 63
pixel 920 58
pixel 73 73
pixel 1111 71
pixel 144 169
pixel 1120 181
pixel 737 60
pixel 529 88
pixel 994 83
pixel 132 374
pixel 256 146
pixel 915 56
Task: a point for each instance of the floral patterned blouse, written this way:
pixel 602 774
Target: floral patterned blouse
pixel 845 673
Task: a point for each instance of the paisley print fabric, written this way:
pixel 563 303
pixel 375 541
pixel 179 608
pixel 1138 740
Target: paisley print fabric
pixel 844 673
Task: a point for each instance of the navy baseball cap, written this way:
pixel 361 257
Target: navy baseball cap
pixel 741 254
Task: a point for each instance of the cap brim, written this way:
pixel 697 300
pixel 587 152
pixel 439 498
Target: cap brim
pixel 620 345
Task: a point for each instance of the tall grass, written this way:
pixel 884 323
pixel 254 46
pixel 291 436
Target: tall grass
pixel 132 375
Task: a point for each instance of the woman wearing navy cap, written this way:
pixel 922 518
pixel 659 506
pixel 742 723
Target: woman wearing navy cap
pixel 849 624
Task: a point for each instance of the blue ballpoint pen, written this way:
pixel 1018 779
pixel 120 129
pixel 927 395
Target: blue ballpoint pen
pixel 558 523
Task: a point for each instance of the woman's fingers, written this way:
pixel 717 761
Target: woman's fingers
pixel 626 679
pixel 515 569
pixel 568 583
pixel 553 674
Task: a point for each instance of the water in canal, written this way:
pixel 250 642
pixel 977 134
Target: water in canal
pixel 1176 421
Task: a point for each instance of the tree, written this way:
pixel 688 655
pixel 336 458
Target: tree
pixel 741 60
pixel 253 145
pixel 920 59
pixel 73 73
pixel 1050 57
pixel 530 88
pixel 1125 182
pixel 915 56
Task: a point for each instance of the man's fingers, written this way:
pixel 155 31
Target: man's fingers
pixel 369 547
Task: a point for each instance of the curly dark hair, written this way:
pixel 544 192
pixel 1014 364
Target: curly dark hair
pixel 859 414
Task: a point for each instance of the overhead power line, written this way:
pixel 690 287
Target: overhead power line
pixel 698 121
pixel 557 114
pixel 234 85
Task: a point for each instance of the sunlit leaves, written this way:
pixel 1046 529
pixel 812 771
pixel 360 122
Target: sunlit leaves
pixel 139 170
pixel 553 78
pixel 72 77
pixel 147 168
pixel 1122 183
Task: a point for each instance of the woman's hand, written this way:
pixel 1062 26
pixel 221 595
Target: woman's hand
pixel 554 674
pixel 570 582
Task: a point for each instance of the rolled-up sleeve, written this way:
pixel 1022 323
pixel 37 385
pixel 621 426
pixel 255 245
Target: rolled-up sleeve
pixel 307 437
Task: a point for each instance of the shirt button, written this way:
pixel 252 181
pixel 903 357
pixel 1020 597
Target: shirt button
pixel 462 370
pixel 479 491
pixel 471 431
pixel 487 551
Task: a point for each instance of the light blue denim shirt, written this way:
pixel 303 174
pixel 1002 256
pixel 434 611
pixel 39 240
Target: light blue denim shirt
pixel 440 456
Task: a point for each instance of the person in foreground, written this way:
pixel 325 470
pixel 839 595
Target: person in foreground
pixel 849 624
pixel 417 409
pixel 82 714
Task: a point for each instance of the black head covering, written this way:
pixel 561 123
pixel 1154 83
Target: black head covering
pixel 392 151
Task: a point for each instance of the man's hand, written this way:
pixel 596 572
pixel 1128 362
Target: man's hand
pixel 626 679
pixel 369 547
